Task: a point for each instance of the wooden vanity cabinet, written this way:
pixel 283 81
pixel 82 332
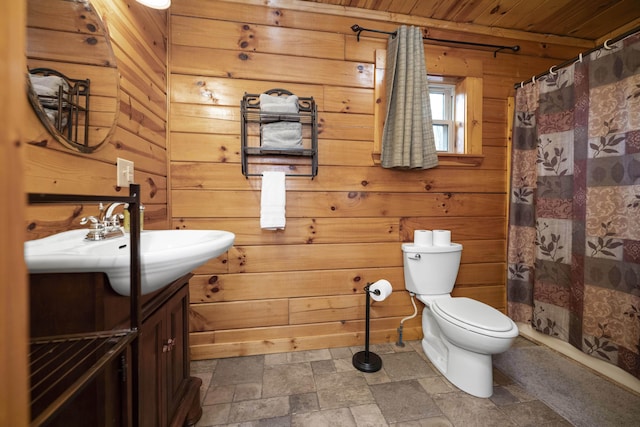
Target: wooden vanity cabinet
pixel 168 395
pixel 84 302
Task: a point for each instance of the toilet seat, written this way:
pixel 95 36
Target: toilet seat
pixel 473 315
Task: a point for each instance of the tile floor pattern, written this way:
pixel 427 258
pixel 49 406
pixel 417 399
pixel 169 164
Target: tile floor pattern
pixel 322 388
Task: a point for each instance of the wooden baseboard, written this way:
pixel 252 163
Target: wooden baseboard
pixel 283 345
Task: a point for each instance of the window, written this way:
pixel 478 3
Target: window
pixel 442 113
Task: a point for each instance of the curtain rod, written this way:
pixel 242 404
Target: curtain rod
pixel 358 29
pixel 605 45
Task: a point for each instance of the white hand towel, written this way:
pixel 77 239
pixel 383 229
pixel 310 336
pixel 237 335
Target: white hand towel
pixel 272 201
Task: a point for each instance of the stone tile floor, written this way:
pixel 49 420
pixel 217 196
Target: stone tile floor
pixel 322 388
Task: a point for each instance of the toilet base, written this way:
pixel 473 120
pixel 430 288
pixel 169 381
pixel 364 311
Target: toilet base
pixel 367 361
pixel 471 372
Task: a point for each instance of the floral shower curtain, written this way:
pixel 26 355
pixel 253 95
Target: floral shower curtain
pixel 574 226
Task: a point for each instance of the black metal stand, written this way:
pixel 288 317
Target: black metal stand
pixel 367 361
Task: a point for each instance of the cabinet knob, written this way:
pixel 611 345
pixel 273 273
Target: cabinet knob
pixel 168 345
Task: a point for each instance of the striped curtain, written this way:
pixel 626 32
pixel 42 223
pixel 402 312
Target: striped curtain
pixel 407 138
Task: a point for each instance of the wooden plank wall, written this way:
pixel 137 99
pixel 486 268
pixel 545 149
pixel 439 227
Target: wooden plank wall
pixel 139 40
pixel 302 288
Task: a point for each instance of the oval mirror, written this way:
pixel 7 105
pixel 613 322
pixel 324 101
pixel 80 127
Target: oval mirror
pixel 73 81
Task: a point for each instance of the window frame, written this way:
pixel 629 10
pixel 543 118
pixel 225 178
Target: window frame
pixel 448 90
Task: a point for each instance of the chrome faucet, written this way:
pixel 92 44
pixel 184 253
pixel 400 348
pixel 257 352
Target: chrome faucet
pixel 109 211
pixel 106 227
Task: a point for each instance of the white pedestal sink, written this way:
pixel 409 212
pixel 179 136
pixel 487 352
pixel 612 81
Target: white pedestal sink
pixel 165 255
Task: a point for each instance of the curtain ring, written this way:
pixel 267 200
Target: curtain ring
pixel 606 44
pixel 522 84
pixel 553 73
pixel 580 58
pixel 533 79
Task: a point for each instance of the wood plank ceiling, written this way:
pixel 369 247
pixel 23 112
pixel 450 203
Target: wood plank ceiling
pixel 593 20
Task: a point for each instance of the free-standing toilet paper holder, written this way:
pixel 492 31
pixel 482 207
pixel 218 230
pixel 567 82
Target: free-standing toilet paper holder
pixel 367 361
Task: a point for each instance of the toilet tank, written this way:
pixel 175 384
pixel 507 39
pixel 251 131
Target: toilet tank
pixel 431 270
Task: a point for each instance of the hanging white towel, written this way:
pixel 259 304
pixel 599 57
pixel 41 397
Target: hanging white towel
pixel 273 200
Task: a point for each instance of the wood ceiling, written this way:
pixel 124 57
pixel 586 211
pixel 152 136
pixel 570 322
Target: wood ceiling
pixel 593 20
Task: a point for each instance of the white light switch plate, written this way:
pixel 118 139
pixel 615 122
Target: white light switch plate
pixel 125 172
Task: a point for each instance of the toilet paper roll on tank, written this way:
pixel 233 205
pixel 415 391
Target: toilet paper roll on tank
pixel 380 290
pixel 432 237
pixel 423 237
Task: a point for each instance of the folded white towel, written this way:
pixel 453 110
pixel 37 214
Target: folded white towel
pixel 279 104
pixel 273 200
pixel 282 135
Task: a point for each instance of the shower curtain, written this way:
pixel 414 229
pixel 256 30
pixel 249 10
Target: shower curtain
pixel 407 137
pixel 574 226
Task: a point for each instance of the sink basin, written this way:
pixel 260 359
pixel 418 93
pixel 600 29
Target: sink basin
pixel 165 255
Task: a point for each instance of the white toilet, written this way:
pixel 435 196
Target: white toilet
pixel 460 334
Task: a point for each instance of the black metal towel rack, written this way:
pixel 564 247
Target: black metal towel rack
pixel 112 343
pixel 498 48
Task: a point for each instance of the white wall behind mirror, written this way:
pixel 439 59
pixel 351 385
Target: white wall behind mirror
pixel 69 37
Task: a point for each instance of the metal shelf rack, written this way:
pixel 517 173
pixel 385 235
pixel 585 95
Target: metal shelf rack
pixel 69 107
pixel 252 119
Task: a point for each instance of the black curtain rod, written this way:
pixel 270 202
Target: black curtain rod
pixel 358 29
pixel 605 45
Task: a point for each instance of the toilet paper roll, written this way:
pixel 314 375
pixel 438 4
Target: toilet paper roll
pixel 423 237
pixel 380 290
pixel 441 237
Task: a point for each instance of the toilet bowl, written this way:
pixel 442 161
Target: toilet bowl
pixel 460 334
pixel 474 325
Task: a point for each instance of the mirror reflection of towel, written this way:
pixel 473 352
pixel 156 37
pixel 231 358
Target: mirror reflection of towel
pixel 273 201
pixel 47 88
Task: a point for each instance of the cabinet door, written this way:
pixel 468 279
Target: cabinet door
pixel 152 391
pixel 177 357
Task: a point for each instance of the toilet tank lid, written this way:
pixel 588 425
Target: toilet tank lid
pixel 474 313
pixel 412 248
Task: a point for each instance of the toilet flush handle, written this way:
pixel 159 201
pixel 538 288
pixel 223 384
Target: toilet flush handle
pixel 415 257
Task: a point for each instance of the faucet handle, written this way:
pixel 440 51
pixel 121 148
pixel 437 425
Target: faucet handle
pixel 114 220
pixel 96 228
pixel 89 219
